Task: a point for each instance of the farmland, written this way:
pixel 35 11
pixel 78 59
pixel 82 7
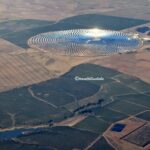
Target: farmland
pixel 101 144
pixel 38 90
pixel 20 70
pixel 93 124
pixel 59 94
pixel 20 107
pixel 144 115
pixel 64 134
pixel 142 133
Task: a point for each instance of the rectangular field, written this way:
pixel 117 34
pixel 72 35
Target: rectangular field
pixel 93 124
pixel 140 99
pixel 102 144
pixel 140 137
pixel 12 26
pixel 70 138
pixel 145 115
pixel 20 70
pixel 108 115
pixel 126 108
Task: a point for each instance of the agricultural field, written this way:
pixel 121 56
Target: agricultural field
pixel 101 120
pixel 130 136
pixel 68 86
pixel 12 26
pixel 38 89
pixel 50 139
pixel 101 144
pixel 64 92
pixel 48 98
pixel 69 138
pixel 137 85
pixel 87 70
pixel 127 108
pixel 144 115
pixel 108 115
pixel 139 99
pixel 104 22
pixel 21 106
pixel 7 47
pixel 136 136
pixel 19 71
pixel 115 88
pixel 23 109
pixel 93 124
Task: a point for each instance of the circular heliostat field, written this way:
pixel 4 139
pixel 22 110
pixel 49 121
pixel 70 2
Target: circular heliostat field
pixel 86 42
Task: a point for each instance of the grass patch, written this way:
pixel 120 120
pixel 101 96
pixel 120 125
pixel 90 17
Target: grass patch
pixel 101 145
pixel 144 115
pixel 137 99
pixel 63 138
pixel 108 115
pixel 27 109
pixel 9 26
pixel 126 108
pixel 104 21
pixel 93 124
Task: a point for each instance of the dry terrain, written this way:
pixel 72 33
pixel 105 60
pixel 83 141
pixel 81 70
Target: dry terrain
pixel 20 70
pixel 20 67
pixel 58 9
pixel 8 47
pixel 57 63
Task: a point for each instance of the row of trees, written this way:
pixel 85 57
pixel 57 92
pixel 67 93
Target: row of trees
pixel 88 107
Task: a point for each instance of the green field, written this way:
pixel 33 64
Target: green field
pixel 140 86
pixel 101 145
pixel 12 26
pixel 27 110
pixel 5 120
pixel 104 22
pixel 67 87
pixel 115 88
pixel 108 115
pixel 126 107
pixel 133 82
pixel 140 99
pixel 18 146
pixel 145 115
pixel 62 138
pixel 93 124
pixel 89 70
pixel 64 91
pixel 126 79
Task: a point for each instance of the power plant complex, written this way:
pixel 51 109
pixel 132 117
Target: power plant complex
pixel 86 42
